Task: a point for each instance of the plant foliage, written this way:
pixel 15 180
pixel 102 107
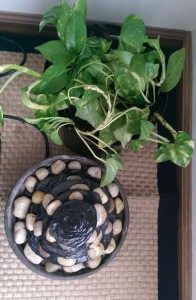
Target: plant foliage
pixel 112 89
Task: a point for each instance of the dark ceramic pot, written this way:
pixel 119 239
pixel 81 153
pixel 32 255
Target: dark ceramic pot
pixel 10 220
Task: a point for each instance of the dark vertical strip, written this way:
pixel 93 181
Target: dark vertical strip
pixel 167 219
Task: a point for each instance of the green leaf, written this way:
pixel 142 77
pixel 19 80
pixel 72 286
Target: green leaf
pixel 49 17
pixel 133 33
pixel 159 156
pixel 134 119
pixel 63 16
pixel 120 130
pixel 146 129
pixel 180 152
pixel 124 57
pixel 76 34
pixel 55 137
pixel 55 52
pixel 135 145
pixel 53 71
pixel 174 70
pixel 81 8
pixel 88 96
pixel 107 136
pixel 51 86
pixel 112 165
pixel 92 112
pixel 98 45
pixel 1 115
pixel 151 70
pixel 128 85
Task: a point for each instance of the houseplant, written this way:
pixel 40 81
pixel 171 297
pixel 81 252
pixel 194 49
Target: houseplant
pixel 111 85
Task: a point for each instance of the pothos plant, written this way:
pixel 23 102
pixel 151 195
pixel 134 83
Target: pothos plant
pixel 112 89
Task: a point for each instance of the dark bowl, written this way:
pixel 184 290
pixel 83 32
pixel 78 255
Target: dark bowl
pixel 9 222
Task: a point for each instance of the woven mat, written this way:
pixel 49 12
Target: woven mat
pixel 133 273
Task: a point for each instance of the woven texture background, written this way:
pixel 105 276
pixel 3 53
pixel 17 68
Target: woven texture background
pixel 133 273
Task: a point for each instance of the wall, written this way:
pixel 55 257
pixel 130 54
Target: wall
pixel 168 13
pixel 194 169
pixel 179 14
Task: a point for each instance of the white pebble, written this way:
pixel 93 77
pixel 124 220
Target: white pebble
pixel 94 172
pixel 76 196
pixel 49 238
pixel 119 205
pixel 21 206
pixel 50 267
pixel 74 268
pixel 30 183
pixel 111 247
pixel 19 226
pixel 117 227
pixel 47 199
pixel 41 173
pixel 57 167
pixel 74 165
pixel 101 214
pixel 30 220
pixel 93 263
pixel 103 196
pixel 31 255
pixel 66 262
pixel 97 251
pixel 38 228
pixel 113 189
pixel 80 186
pixel 52 207
pixel 20 236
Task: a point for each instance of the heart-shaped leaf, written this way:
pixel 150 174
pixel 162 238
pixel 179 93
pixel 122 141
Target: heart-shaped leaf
pixel 133 33
pixel 180 152
pixel 112 165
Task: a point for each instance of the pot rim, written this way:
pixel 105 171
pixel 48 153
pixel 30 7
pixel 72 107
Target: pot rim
pixel 18 250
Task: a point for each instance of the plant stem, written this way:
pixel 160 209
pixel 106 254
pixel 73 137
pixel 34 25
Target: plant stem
pixel 166 125
pixel 156 141
pixel 20 69
pixel 8 81
pixel 93 153
pixel 160 137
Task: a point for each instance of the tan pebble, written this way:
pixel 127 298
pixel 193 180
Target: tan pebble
pixel 93 263
pixel 31 255
pixel 97 251
pixel 64 247
pixel 30 183
pixel 112 205
pixel 21 206
pixel 66 262
pixel 101 214
pixel 97 240
pixel 49 238
pixel 74 268
pixel 111 247
pixel 47 199
pixel 30 220
pixel 74 165
pixel 20 236
pixel 109 228
pixel 41 173
pixel 74 177
pixel 37 197
pixel 57 167
pixel 80 186
pixel 103 196
pixel 38 228
pixel 50 267
pixel 117 227
pixel 76 196
pixel 52 207
pixel 113 189
pixel 119 205
pixel 92 238
pixel 94 172
pixel 19 226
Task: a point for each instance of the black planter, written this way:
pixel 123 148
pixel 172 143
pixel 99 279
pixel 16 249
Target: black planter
pixel 10 220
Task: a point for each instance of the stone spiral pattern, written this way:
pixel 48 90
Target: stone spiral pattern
pixel 64 220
